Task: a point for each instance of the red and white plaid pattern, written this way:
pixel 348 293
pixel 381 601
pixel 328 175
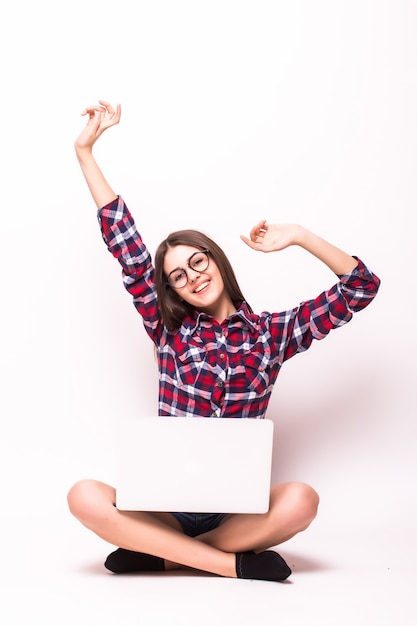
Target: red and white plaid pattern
pixel 229 369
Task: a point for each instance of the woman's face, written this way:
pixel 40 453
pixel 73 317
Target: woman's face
pixel 204 289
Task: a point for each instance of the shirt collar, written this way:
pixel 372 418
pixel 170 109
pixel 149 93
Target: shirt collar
pixel 192 323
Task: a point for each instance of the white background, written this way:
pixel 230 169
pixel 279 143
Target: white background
pixel 301 111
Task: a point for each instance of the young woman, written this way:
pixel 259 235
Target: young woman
pixel 216 358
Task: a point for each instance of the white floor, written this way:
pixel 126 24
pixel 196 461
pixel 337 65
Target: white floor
pixel 52 573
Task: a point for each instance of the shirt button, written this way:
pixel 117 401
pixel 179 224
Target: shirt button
pixel 219 383
pixel 221 355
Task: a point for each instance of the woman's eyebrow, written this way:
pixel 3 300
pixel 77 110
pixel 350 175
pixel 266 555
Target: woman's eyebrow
pixel 186 263
pixel 175 269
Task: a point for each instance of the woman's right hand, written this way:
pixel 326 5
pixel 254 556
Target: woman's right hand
pixel 100 117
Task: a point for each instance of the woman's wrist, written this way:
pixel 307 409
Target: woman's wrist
pixel 84 153
pixel 301 236
pixel 82 149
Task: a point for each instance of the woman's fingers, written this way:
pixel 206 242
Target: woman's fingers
pixel 102 107
pixel 258 230
pixel 102 115
pixel 107 106
pixel 109 109
pixel 93 107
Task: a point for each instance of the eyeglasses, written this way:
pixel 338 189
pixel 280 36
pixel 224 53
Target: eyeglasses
pixel 198 262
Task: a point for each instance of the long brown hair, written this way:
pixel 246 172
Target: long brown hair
pixel 173 308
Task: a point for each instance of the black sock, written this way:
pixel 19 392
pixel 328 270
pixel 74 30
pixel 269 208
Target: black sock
pixel 267 565
pixel 123 561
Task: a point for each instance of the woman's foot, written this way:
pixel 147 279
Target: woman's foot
pixel 267 565
pixel 123 561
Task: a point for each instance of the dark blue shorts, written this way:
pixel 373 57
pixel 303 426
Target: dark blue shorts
pixel 194 524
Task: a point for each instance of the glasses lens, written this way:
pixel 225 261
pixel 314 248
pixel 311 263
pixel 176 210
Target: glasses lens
pixel 178 279
pixel 199 261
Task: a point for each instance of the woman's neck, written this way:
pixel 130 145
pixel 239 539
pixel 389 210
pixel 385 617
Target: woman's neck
pixel 221 310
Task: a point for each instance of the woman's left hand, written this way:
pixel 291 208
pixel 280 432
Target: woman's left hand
pixel 272 237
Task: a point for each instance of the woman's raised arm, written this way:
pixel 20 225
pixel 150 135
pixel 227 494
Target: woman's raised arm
pixel 100 117
pixel 273 237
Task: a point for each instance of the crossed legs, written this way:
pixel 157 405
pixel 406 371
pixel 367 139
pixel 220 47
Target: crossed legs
pixel 292 508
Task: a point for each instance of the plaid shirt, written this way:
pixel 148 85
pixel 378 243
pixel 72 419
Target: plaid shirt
pixel 225 369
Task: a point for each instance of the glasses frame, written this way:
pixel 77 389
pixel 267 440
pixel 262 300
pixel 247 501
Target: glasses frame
pixel 189 265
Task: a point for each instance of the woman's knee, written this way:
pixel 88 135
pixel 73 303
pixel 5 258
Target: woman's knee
pixel 86 499
pixel 307 502
pixel 301 502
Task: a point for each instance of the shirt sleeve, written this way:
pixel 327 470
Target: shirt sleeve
pixel 314 319
pixel 123 240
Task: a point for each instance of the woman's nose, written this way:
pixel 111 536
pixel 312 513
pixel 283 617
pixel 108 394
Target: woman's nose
pixel 193 275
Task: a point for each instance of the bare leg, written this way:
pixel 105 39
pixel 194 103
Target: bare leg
pixel 92 503
pixel 293 506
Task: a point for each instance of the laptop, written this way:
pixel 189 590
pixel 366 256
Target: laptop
pixel 193 464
